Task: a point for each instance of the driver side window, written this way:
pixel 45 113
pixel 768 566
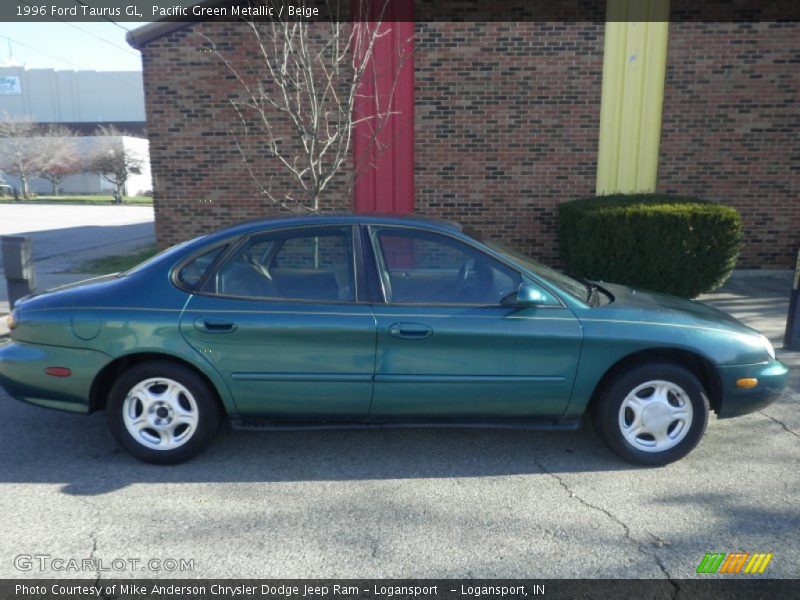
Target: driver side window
pixel 419 267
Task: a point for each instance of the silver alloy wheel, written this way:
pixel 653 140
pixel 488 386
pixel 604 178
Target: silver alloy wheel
pixel 160 413
pixel 655 416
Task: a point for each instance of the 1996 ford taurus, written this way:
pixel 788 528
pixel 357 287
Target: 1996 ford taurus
pixel 370 321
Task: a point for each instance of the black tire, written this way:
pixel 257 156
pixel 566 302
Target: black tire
pixel 607 413
pixel 206 409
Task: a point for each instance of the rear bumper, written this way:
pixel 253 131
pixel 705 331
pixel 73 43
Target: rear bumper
pixel 772 377
pixel 22 374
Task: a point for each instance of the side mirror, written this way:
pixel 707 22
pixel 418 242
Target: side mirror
pixel 528 295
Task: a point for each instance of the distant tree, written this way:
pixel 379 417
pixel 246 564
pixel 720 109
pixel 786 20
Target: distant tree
pixel 28 149
pixel 112 162
pixel 67 160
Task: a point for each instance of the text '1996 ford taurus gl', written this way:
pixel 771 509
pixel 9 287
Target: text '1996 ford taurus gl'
pixel 372 321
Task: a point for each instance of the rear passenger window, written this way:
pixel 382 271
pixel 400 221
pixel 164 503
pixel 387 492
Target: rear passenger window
pixel 313 265
pixel 193 272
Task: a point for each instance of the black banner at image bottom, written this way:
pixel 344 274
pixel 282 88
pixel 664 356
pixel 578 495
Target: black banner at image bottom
pixel 393 589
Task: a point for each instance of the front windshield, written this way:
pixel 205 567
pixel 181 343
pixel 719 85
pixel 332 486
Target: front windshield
pixel 570 285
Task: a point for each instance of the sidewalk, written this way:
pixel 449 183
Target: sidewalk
pixel 761 300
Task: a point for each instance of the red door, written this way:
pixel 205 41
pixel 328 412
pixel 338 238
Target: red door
pixel 385 166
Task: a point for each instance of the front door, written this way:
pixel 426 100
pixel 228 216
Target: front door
pixel 281 322
pixel 448 349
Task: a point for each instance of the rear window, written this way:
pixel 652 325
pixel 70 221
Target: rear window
pixel 192 273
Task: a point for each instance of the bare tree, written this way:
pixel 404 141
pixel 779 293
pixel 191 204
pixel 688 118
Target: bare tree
pixel 67 158
pixel 28 149
pixel 298 100
pixel 112 161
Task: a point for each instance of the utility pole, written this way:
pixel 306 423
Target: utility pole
pixel 791 339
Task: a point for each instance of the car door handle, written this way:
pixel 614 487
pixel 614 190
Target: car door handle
pixel 410 331
pixel 214 325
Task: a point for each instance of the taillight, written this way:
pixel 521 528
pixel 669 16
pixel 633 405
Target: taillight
pixel 58 371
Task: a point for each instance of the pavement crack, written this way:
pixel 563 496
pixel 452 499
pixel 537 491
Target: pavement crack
pixel 626 530
pixel 586 503
pixel 676 588
pixel 96 562
pixel 779 422
pixel 93 558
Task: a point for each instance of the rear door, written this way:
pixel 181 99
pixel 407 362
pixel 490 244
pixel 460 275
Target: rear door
pixel 284 322
pixel 448 349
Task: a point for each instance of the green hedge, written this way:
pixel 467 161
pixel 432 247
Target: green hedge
pixel 681 246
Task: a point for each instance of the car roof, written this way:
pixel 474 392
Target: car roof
pixel 373 218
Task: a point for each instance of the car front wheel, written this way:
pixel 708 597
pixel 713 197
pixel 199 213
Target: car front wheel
pixel 162 412
pixel 653 414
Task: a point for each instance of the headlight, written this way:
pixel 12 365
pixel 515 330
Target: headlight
pixel 12 319
pixel 768 346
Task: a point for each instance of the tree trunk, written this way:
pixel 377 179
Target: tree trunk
pixel 25 188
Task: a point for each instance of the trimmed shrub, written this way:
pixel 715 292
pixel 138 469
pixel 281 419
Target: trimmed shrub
pixel 675 245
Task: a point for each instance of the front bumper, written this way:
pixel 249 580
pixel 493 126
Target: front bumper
pixel 22 374
pixel 772 377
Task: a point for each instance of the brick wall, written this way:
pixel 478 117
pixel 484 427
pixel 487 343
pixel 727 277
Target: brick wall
pixel 200 181
pixel 507 123
pixel 731 128
pixel 506 127
pixel 507 120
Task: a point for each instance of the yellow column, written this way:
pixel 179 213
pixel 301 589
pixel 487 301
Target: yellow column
pixel 634 64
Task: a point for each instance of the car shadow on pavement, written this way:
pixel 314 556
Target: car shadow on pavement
pixel 42 446
pixel 78 454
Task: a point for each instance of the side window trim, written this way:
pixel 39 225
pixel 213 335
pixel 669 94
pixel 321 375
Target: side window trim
pixel 382 271
pixel 376 291
pixel 209 285
pixel 213 266
pixel 380 266
pixel 176 270
pixel 360 258
pixel 206 289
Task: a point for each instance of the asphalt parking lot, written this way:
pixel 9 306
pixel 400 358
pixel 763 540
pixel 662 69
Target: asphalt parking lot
pixel 63 235
pixel 424 503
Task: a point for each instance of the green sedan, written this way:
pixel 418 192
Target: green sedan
pixel 378 321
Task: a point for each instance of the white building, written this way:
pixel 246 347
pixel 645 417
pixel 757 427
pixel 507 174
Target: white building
pixel 81 101
pixel 91 183
pixel 82 98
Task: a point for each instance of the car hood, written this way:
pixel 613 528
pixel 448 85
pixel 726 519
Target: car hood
pixel 653 306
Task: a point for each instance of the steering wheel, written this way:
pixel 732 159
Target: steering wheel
pixel 259 266
pixel 463 274
pixel 466 268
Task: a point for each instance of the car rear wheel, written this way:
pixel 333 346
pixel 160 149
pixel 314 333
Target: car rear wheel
pixel 162 412
pixel 653 414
